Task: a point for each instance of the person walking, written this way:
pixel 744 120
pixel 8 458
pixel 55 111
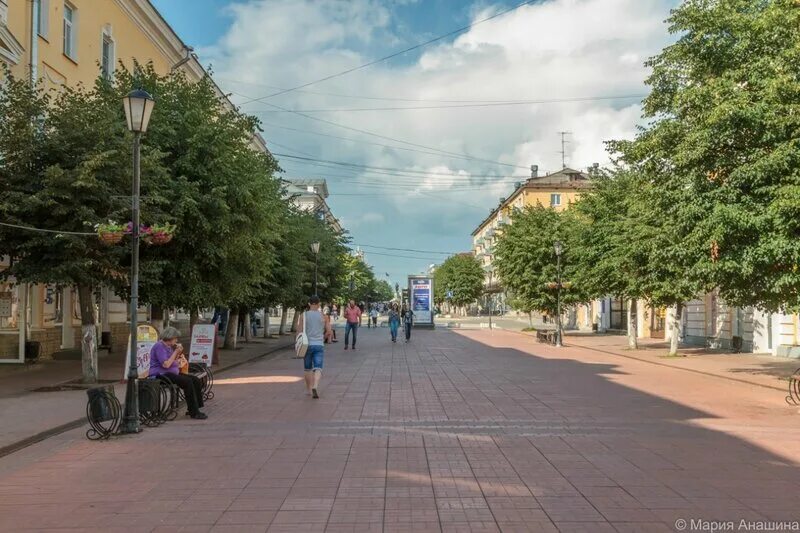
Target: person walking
pixel 318 328
pixel 394 322
pixel 352 314
pixel 327 311
pixel 373 315
pixel 408 320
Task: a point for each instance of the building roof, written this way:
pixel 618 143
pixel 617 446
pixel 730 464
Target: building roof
pixel 564 179
pixel 319 185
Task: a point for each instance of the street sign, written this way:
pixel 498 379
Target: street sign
pixel 201 349
pixel 146 337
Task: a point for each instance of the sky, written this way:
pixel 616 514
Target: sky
pixel 437 167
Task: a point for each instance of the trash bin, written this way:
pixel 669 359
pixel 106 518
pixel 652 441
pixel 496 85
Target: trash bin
pixel 99 406
pixel 32 350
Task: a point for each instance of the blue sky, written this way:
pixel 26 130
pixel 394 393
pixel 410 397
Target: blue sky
pixel 449 165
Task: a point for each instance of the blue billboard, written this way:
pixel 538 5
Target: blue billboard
pixel 420 293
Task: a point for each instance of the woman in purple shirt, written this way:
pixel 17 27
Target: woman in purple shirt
pixel 166 359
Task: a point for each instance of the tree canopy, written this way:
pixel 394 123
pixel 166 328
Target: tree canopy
pixel 460 275
pixel 526 262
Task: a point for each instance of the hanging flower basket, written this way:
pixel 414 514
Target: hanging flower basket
pixel 110 237
pixel 110 233
pixel 160 238
pixel 159 233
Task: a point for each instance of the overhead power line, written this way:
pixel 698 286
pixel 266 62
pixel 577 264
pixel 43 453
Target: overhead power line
pixel 398 53
pixel 403 249
pixel 385 137
pixel 456 106
pixel 42 230
pixel 386 98
pixel 369 167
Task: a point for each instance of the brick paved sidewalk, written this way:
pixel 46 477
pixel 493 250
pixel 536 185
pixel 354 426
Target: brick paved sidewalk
pixel 756 369
pixel 25 414
pixel 457 431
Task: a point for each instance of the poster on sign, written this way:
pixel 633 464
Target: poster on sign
pixel 146 337
pixel 203 341
pixel 420 289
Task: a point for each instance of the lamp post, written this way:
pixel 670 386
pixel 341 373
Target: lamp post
pixel 138 107
pixel 491 299
pixel 559 248
pixel 315 249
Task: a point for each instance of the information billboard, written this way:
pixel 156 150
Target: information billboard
pixel 420 290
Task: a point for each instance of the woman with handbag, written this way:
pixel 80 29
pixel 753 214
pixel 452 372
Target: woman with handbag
pixel 167 360
pixel 315 328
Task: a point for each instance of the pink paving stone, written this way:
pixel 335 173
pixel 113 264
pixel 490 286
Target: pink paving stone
pixel 457 431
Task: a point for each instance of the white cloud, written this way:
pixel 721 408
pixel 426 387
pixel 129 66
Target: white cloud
pixel 554 49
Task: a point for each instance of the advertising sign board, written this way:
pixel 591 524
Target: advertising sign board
pixel 420 289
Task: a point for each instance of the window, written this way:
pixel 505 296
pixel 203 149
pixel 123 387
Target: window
pixel 43 21
pixel 555 200
pixel 70 31
pixel 107 56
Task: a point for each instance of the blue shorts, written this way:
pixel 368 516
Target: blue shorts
pixel 313 358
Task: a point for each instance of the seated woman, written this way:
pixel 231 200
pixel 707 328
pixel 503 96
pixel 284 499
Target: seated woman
pixel 166 359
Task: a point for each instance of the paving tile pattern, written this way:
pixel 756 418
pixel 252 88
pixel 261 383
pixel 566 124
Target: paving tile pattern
pixel 455 432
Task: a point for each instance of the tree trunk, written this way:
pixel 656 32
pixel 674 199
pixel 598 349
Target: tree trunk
pixel 530 318
pixel 295 320
pixel 675 335
pixel 194 316
pixel 633 343
pixel 248 335
pixel 231 333
pixel 284 317
pixel 266 322
pixel 88 334
pixel 157 317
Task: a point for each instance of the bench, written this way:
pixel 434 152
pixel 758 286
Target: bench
pixel 793 398
pixel 158 397
pixel 546 335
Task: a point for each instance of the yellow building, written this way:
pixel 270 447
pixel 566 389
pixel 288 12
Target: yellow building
pixel 62 43
pixel 557 190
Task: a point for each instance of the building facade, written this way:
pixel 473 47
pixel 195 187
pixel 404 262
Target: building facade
pixel 311 195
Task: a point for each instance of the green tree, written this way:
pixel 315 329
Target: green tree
pixel 383 291
pixel 525 259
pixel 723 143
pixel 462 276
pixel 75 173
pixel 628 244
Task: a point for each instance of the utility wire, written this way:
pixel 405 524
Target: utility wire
pixel 455 106
pixel 395 54
pixel 381 98
pixel 369 167
pixel 42 230
pixel 365 132
pixel 403 249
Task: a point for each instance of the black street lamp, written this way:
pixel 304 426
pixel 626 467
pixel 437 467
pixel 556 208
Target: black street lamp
pixel 315 249
pixel 138 107
pixel 559 248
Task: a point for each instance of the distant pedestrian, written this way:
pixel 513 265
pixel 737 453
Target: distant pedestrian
pixel 253 323
pixel 318 328
pixel 352 315
pixel 373 315
pixel 408 321
pixel 394 322
pixel 327 311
